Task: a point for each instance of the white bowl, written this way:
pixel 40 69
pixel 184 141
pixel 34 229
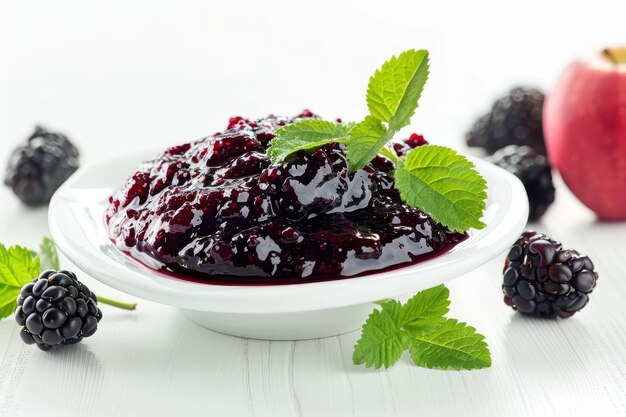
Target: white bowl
pixel 277 312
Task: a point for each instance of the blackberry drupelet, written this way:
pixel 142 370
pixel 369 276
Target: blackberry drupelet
pixel 56 309
pixel 406 146
pixel 543 279
pixel 38 167
pixel 515 119
pixel 533 170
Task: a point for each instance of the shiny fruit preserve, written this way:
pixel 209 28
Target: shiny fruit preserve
pixel 218 211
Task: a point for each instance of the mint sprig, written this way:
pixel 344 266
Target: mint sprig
pixel 434 179
pixel 419 325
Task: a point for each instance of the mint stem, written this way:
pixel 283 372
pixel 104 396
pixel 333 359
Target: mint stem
pixel 118 304
pixel 389 154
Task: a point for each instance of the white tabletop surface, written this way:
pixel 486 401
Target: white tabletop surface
pixel 122 75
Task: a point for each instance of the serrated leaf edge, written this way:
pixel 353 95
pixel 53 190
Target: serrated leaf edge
pixel 277 154
pixel 469 220
pixel 381 360
pixel 479 340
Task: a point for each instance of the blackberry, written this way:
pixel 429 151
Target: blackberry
pixel 56 309
pixel 38 167
pixel 543 279
pixel 533 170
pixel 515 119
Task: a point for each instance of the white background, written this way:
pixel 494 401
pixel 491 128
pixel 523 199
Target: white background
pixel 120 75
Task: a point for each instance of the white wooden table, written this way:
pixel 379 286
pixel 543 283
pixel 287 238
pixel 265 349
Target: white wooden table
pixel 127 74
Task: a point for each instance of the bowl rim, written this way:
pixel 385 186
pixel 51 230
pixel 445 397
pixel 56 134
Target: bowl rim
pixel 509 212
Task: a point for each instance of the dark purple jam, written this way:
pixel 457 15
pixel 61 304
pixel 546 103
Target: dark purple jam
pixel 218 210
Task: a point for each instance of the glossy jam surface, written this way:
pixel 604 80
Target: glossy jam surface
pixel 218 210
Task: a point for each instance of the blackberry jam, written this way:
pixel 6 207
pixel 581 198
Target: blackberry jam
pixel 218 210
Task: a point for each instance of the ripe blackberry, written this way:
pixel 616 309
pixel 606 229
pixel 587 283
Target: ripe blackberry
pixel 543 279
pixel 533 170
pixel 515 119
pixel 38 167
pixel 56 309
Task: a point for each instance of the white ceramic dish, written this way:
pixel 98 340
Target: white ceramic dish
pixel 283 312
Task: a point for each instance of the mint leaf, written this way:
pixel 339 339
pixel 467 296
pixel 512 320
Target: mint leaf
pixel 393 93
pixel 305 134
pixel 48 255
pixel 382 341
pixel 433 340
pixel 444 184
pixel 452 345
pixel 9 307
pixel 426 305
pixel 17 267
pixel 424 327
pixel 389 154
pixel 364 139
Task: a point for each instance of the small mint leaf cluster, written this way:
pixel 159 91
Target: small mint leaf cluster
pixel 420 326
pixel 435 179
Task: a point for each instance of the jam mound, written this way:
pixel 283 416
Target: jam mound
pixel 219 210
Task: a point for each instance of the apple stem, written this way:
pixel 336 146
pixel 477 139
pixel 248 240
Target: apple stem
pixel 616 55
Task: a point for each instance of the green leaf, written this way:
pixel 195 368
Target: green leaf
pixel 382 341
pixel 389 154
pixel 393 91
pixel 305 134
pixel 7 297
pixel 453 345
pixel 393 94
pixel 426 305
pixel 424 327
pixel 424 312
pixel 444 184
pixel 8 309
pixel 363 141
pixel 17 267
pixel 48 255
pixel 420 326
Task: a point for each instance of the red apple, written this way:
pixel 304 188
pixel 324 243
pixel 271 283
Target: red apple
pixel 585 129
